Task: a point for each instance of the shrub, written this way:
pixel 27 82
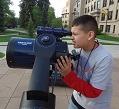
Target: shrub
pixel 99 31
pixel 65 26
pixel 2 55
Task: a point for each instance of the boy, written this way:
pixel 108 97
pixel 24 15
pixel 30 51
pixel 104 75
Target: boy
pixel 91 76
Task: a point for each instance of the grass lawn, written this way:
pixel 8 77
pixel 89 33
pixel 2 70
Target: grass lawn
pixel 20 29
pixel 107 37
pixel 7 38
pixel 2 55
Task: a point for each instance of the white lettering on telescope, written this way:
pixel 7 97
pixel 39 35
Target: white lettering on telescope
pixel 25 43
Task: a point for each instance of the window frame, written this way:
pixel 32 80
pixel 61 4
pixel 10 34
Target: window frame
pixel 104 3
pixel 102 17
pixel 109 15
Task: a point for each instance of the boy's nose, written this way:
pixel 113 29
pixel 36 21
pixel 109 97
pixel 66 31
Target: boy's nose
pixel 71 37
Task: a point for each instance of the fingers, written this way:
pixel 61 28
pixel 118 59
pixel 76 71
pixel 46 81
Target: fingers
pixel 61 63
pixel 64 62
pixel 58 67
pixel 64 65
pixel 67 60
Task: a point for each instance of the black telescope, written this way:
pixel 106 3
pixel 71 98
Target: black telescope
pixel 38 54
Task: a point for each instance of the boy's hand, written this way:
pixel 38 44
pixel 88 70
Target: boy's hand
pixel 64 65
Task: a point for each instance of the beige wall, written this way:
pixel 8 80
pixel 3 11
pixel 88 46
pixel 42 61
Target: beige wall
pixel 79 6
pixel 69 16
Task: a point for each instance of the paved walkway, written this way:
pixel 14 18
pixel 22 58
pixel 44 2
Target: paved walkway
pixel 14 81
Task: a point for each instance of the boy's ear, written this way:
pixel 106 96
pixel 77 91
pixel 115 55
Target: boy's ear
pixel 91 35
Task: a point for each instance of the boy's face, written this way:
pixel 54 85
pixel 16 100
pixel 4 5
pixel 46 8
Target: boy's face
pixel 79 37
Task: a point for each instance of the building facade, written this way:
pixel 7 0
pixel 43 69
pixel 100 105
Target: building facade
pixel 109 22
pixel 67 15
pixel 106 12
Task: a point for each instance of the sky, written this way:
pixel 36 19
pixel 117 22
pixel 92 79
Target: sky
pixel 56 4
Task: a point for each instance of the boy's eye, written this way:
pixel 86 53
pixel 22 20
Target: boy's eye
pixel 74 34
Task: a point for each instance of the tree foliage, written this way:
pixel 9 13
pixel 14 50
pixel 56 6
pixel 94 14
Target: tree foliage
pixel 44 6
pixel 7 17
pixel 57 23
pixel 51 16
pixel 30 28
pixel 1 16
pixel 37 10
pixel 7 10
pixel 40 13
pixel 38 16
pixel 26 12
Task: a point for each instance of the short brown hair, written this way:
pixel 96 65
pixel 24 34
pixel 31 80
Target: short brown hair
pixel 87 22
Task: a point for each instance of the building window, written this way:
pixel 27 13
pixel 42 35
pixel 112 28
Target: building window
pixel 91 7
pixel 101 27
pixel 104 3
pixel 114 29
pixel 116 14
pixel 65 15
pixel 66 10
pixel 94 5
pixel 103 17
pixel 78 4
pixel 88 9
pixel 111 2
pixel 98 4
pixel 86 1
pixel 109 15
pixel 62 15
pixel 74 9
pixel 85 10
pixel 65 22
pixel 108 28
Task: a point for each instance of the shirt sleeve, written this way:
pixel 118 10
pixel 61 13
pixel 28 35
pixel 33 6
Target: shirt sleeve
pixel 81 86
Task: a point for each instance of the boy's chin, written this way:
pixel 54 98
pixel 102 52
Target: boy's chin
pixel 75 46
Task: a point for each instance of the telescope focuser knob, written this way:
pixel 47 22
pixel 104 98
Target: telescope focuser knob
pixel 45 39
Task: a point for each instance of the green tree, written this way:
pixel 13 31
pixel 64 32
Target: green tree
pixel 44 6
pixel 38 16
pixel 10 20
pixel 26 10
pixel 5 13
pixel 1 16
pixel 30 28
pixel 22 14
pixel 30 8
pixel 7 10
pixel 57 23
pixel 51 15
pixel 17 21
